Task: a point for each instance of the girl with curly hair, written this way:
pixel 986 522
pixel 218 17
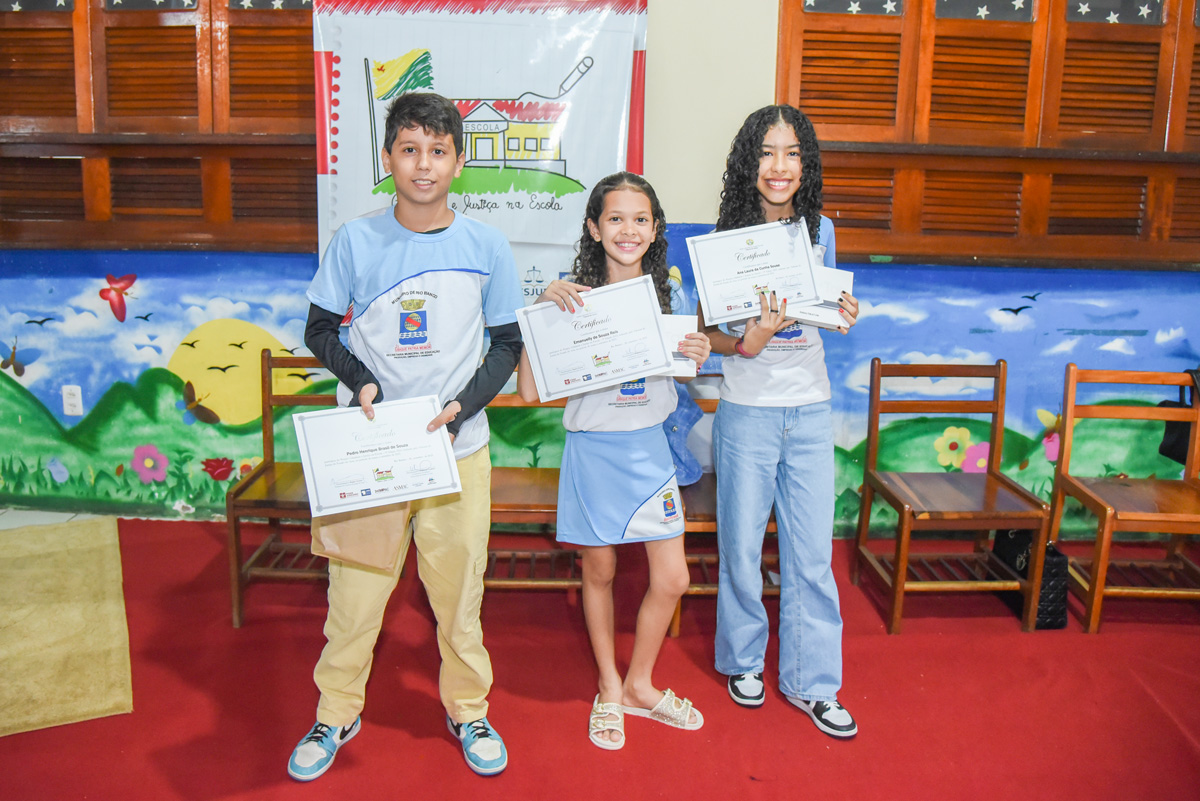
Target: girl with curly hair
pixel 617 481
pixel 773 442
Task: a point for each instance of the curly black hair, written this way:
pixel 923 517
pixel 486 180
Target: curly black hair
pixel 741 204
pixel 590 268
pixel 437 115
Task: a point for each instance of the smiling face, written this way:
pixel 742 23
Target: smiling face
pixel 625 230
pixel 422 165
pixel 779 171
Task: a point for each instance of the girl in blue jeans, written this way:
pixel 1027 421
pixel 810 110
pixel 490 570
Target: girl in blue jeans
pixel 773 442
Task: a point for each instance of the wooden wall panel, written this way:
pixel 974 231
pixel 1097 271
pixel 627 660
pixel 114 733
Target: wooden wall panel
pixel 1036 139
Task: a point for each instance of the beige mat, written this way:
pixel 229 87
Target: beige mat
pixel 64 644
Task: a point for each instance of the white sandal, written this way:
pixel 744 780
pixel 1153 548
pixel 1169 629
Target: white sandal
pixel 599 722
pixel 672 711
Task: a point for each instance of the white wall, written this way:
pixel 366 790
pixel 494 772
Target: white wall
pixel 709 63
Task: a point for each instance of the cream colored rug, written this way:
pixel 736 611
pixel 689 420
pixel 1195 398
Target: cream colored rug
pixel 64 644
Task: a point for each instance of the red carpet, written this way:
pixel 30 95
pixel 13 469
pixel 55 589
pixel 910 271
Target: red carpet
pixel 961 705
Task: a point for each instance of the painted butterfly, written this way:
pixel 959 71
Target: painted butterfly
pixel 192 410
pixel 28 356
pixel 115 294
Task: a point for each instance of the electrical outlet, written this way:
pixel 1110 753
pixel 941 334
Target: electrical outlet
pixel 72 400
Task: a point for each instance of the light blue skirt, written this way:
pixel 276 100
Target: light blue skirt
pixel 617 487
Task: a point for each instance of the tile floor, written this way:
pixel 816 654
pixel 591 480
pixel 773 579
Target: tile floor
pixel 16 518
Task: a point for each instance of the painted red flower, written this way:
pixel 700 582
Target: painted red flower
pixel 219 469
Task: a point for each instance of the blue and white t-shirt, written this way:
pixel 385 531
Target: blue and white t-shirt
pixel 421 303
pixel 630 406
pixel 790 371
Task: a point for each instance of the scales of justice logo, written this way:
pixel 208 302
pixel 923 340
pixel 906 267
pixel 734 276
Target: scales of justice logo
pixel 414 322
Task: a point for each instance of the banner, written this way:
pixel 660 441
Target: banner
pixel 550 92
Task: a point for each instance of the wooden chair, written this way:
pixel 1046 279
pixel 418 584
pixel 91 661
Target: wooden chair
pixel 273 490
pixel 948 501
pixel 1129 504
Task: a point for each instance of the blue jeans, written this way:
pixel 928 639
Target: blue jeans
pixel 768 455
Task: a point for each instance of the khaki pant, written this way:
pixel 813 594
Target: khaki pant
pixel 451 538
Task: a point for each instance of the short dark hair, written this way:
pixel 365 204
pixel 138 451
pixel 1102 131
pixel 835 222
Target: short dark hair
pixel 427 110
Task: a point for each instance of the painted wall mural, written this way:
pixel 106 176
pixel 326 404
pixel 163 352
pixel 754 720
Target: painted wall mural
pixel 156 414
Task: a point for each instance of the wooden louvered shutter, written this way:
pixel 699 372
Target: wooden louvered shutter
pixel 1185 96
pixel 1108 86
pixel 37 73
pixel 857 197
pixel 152 70
pixel 39 189
pixel 984 83
pixel 263 71
pixel 969 202
pixel 846 73
pixel 1185 222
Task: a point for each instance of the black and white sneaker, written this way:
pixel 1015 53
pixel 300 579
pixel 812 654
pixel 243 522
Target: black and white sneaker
pixel 746 689
pixel 830 716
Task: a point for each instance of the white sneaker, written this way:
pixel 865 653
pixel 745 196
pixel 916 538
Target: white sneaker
pixel 747 689
pixel 830 716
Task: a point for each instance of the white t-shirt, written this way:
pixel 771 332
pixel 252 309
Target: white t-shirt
pixel 626 407
pixel 421 302
pixel 790 371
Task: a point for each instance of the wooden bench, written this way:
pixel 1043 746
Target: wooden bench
pixel 275 491
pixel 525 496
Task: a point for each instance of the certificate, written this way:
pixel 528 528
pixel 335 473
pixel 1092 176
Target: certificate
pixel 734 267
pixel 675 327
pixel 351 462
pixel 831 283
pixel 615 337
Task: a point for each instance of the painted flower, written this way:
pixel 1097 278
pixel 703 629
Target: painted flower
pixel 58 471
pixel 952 446
pixel 149 464
pixel 183 507
pixel 975 458
pixel 219 469
pixel 246 465
pixel 1050 443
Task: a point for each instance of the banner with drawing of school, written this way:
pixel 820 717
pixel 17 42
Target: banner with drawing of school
pixel 549 91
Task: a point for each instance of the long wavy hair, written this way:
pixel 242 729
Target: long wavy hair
pixel 741 204
pixel 590 268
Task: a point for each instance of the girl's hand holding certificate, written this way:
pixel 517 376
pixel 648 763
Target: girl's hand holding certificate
pixel 564 294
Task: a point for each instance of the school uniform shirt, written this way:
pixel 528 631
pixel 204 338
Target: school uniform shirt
pixel 790 370
pixel 421 303
pixel 626 407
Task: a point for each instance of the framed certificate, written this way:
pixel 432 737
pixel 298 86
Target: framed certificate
pixel 733 268
pixel 615 337
pixel 351 462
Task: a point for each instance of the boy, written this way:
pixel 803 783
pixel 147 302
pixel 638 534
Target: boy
pixel 421 281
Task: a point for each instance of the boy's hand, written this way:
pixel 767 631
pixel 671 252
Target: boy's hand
pixel 365 396
pixel 696 347
pixel 849 311
pixel 564 294
pixel 449 413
